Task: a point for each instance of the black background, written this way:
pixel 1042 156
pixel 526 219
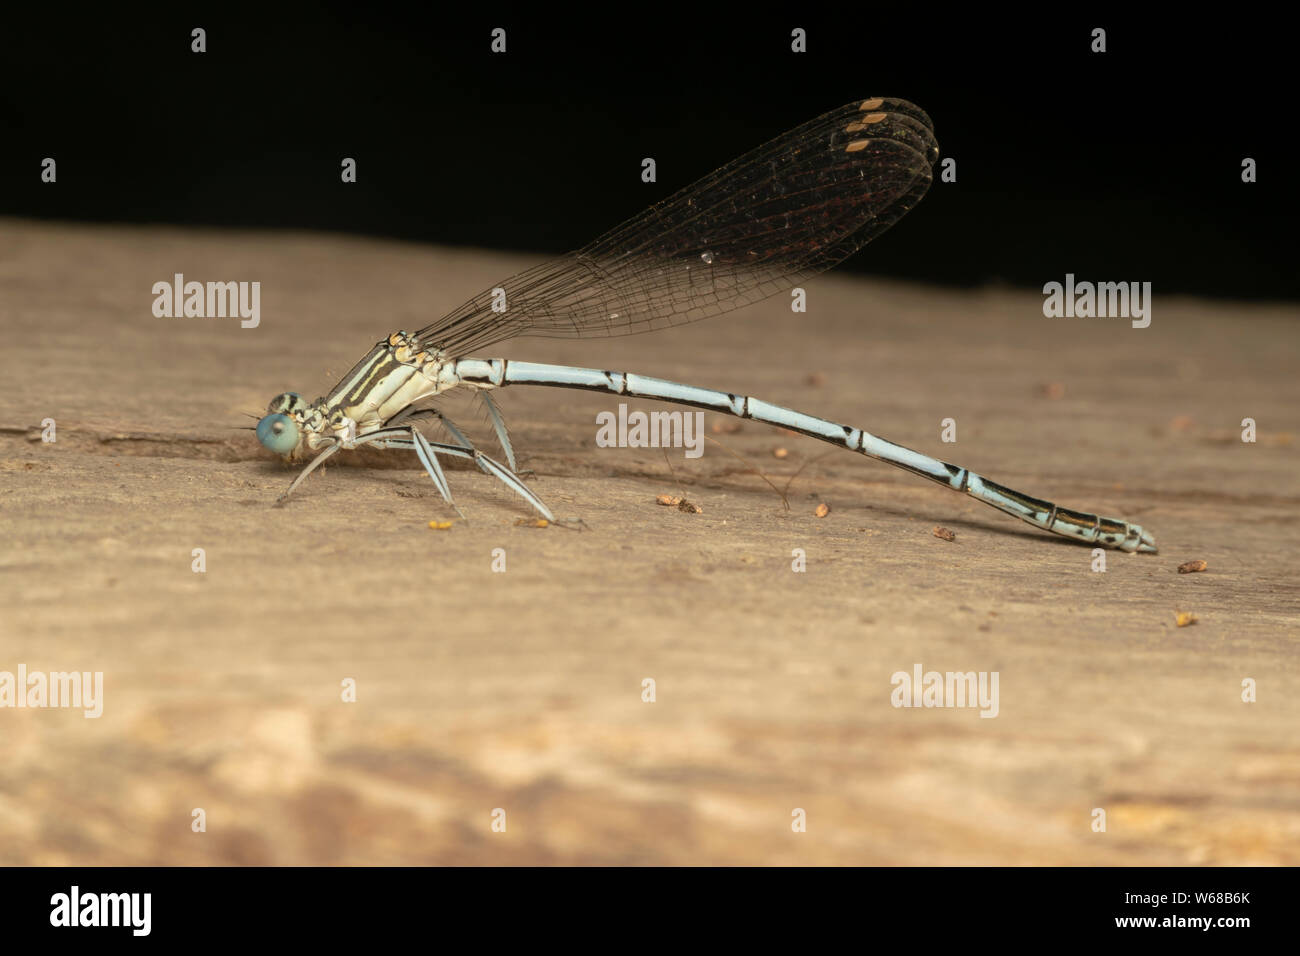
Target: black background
pixel 1119 166
pixel 522 908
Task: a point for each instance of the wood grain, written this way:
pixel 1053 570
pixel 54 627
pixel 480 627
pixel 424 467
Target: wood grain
pixel 523 690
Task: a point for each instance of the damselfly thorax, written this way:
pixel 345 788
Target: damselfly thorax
pixel 392 377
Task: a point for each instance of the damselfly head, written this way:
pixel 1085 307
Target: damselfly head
pixel 278 431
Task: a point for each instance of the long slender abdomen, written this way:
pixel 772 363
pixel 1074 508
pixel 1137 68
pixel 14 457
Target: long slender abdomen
pixel 1083 526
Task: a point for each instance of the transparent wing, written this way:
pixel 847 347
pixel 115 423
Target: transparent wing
pixel 786 211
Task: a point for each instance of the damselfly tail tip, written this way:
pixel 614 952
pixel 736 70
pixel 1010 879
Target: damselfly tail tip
pixel 1146 543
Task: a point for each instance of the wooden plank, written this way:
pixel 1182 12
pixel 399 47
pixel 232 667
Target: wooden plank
pixel 523 690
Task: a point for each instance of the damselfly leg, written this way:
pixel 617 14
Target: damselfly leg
pixel 456 432
pixel 409 437
pixel 425 449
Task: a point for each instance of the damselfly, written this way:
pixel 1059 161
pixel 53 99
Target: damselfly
pixel 782 213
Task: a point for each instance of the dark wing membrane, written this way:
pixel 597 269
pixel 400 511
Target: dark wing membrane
pixel 782 213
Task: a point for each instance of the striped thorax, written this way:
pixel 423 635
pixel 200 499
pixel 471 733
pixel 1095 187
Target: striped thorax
pixel 394 374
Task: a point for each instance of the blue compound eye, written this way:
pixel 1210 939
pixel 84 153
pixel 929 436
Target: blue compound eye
pixel 278 433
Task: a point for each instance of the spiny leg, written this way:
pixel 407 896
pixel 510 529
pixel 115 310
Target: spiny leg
pixel 494 414
pixel 511 479
pixel 499 426
pixel 407 415
pixel 429 459
pixel 319 459
pixel 408 437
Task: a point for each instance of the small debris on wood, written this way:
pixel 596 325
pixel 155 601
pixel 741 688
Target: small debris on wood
pixel 942 532
pixel 823 510
pixel 441 525
pixel 815 379
pixel 725 428
pixel 532 523
pixel 1053 391
pixel 689 508
pixel 780 453
pixel 1188 567
pixel 1182 423
pixel 671 500
pixel 1184 619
